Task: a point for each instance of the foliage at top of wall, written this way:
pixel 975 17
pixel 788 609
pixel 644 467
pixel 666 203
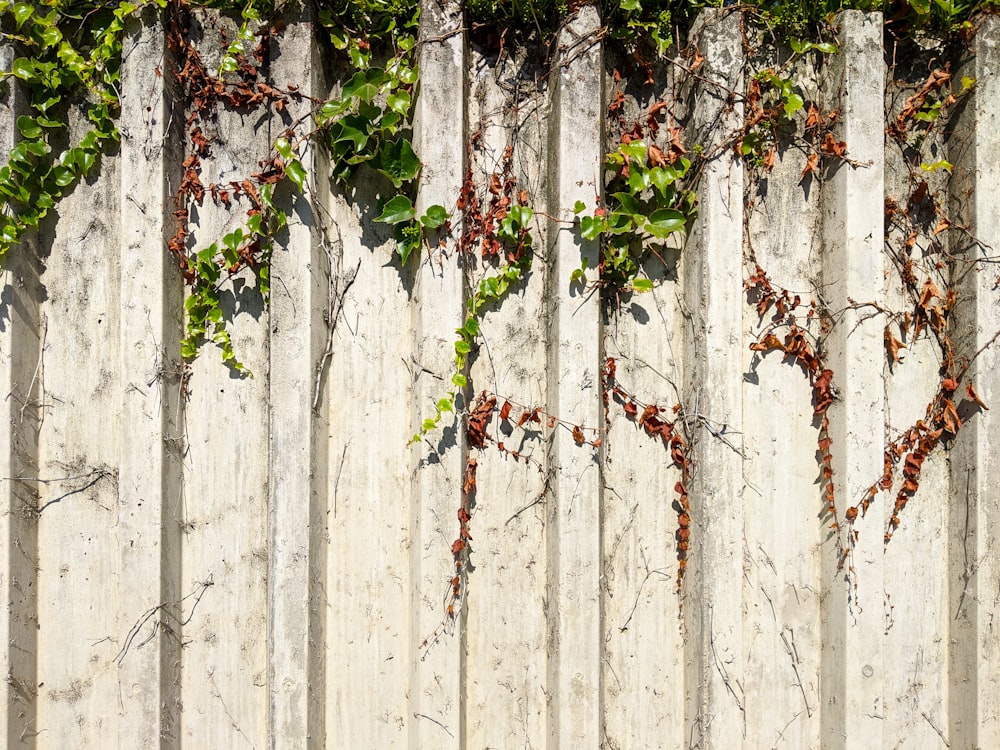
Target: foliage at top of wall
pixel 656 24
pixel 71 46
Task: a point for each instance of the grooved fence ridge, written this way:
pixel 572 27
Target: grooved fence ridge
pixel 194 559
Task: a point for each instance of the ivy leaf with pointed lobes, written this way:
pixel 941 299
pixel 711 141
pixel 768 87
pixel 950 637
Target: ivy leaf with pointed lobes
pixel 399 102
pixel 665 221
pixel 792 104
pixel 434 216
pixel 364 84
pixel 396 211
pixel 398 161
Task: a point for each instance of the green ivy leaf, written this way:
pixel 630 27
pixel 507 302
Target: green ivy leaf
pixel 471 328
pixel 662 179
pixel 284 148
pixel 642 285
pixel 348 134
pixel 397 161
pixel 51 36
pixel 408 76
pixel 638 179
pixel 591 227
pixel 664 222
pixel 521 214
pixel 38 148
pixel 792 104
pixel 399 102
pixel 434 217
pixel 62 176
pixel 22 12
pixel 364 85
pixel 635 150
pixel 296 173
pixel 405 247
pixel 24 69
pixel 627 203
pixel 397 210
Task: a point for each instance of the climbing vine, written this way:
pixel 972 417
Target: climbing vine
pixel 70 53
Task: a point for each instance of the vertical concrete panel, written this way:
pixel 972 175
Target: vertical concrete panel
pixel 225 555
pixel 151 442
pixel 784 531
pixel 369 391
pixel 300 272
pixel 713 272
pixel 436 702
pixel 505 622
pixel 367 517
pixel 916 616
pixel 79 387
pixel 573 529
pixel 975 510
pixel 852 671
pixel 20 348
pixel 642 629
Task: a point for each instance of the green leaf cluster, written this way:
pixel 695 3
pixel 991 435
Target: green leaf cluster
pixel 61 62
pixel 646 204
pixel 211 266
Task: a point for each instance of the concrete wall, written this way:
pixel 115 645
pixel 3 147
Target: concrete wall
pixel 206 561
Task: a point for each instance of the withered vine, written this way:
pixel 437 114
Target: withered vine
pixel 69 51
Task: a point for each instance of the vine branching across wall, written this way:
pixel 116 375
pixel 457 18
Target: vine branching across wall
pixel 68 55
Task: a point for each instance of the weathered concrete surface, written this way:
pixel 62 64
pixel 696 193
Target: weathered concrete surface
pixel 505 623
pixel 436 708
pixel 78 459
pixel 20 350
pixel 261 562
pixel 151 443
pixel 638 582
pixel 226 481
pixel 573 531
pixel 852 677
pixel 713 400
pixel 974 655
pixel 301 273
pixel 782 555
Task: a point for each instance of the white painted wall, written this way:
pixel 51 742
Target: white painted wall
pixel 227 566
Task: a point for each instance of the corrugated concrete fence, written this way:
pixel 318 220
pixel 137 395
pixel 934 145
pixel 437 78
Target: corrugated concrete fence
pixel 212 562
